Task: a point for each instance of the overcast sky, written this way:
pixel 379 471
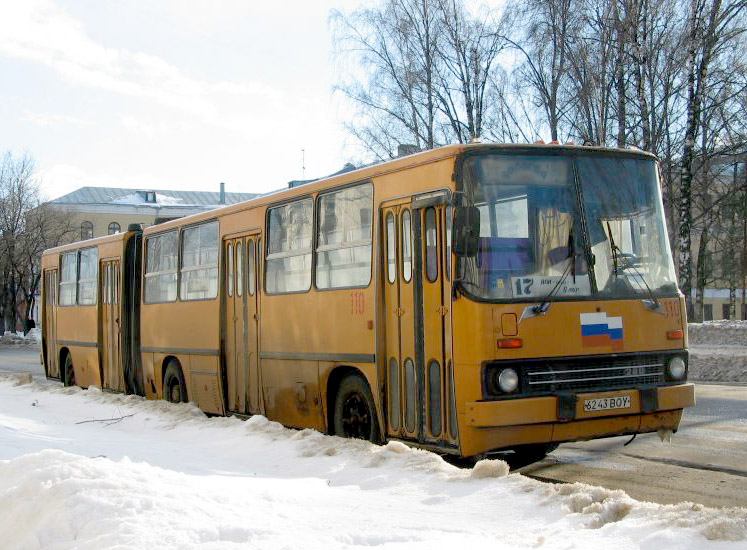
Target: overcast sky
pixel 170 94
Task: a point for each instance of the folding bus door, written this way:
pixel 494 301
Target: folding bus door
pixel 402 399
pixel 49 322
pixel 111 339
pixel 241 324
pixel 432 321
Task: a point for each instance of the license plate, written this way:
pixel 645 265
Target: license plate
pixel 607 403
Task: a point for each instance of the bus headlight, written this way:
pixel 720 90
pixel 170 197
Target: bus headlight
pixel 676 368
pixel 508 380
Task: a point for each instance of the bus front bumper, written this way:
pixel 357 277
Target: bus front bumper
pixel 493 425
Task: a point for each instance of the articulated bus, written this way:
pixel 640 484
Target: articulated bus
pixel 469 299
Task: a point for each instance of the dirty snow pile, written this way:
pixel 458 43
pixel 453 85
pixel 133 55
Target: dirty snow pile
pixel 86 469
pixel 718 351
pixel 33 338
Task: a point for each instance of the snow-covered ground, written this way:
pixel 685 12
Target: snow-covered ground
pixel 86 469
pixel 718 351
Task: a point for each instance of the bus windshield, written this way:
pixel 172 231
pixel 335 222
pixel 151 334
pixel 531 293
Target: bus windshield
pixel 532 242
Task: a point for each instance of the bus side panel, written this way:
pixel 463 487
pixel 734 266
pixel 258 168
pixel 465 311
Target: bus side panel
pixel 183 330
pixel 77 330
pixel 291 393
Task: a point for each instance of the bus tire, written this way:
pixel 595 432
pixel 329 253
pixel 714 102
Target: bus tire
pixel 355 412
pixel 174 388
pixel 68 377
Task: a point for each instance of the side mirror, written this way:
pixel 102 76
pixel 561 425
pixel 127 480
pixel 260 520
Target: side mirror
pixel 466 231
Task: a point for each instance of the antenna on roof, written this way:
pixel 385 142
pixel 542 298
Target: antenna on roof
pixel 303 164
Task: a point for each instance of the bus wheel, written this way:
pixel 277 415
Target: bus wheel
pixel 355 413
pixel 69 374
pixel 174 388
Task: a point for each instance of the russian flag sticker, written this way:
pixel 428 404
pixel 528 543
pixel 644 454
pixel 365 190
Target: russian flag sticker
pixel 598 330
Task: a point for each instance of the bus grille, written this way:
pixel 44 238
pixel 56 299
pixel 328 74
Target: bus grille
pixel 594 375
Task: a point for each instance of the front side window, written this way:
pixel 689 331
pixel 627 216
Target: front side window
pixel 68 278
pixel 343 245
pixel 288 262
pixel 199 269
pixel 160 267
pixel 87 275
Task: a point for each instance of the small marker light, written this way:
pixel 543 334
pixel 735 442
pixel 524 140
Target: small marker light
pixel 675 334
pixel 510 343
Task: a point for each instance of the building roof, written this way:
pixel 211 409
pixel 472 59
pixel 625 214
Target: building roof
pixel 137 197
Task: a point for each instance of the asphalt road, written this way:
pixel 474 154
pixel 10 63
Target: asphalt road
pixel 705 461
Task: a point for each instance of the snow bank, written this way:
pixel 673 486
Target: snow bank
pixel 718 351
pixel 88 469
pixel 18 339
pixel 718 333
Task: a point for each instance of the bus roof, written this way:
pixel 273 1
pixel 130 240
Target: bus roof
pixel 380 169
pixel 88 243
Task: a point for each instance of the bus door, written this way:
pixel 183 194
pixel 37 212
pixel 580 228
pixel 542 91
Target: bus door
pixel 49 322
pixel 113 376
pixel 432 262
pixel 403 411
pixel 241 322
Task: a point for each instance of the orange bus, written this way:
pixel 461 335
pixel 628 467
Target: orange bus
pixel 469 299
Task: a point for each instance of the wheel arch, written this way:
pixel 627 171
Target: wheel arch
pixel 334 379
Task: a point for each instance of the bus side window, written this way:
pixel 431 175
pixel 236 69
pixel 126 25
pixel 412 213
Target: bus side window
pixel 391 248
pixel 239 268
pixel 229 270
pixel 199 267
pixel 160 268
pixel 431 250
pixel 343 245
pixel 251 269
pixel 68 278
pixel 87 276
pixel 288 260
pixel 406 246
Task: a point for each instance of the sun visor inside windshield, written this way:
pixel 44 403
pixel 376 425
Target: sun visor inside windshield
pixel 522 170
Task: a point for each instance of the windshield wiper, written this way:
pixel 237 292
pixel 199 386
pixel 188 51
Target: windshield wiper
pixel 618 255
pixel 544 305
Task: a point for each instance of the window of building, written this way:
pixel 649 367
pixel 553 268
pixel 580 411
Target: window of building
pixel 708 312
pixel 87 274
pixel 343 246
pixel 199 269
pixel 160 268
pixel 114 227
pixel 288 261
pixel 725 311
pixel 68 278
pixel 86 231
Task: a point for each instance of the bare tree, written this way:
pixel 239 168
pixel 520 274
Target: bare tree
pixel 394 49
pixel 27 228
pixel 710 31
pixel 545 48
